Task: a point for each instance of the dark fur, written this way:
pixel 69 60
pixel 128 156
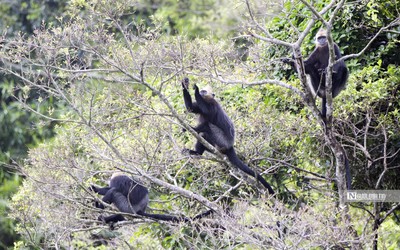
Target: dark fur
pixel 216 128
pixel 315 66
pixel 131 197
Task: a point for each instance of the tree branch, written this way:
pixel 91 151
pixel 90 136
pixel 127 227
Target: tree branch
pixel 392 24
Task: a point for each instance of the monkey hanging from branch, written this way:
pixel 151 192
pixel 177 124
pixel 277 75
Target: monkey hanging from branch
pixel 132 198
pixel 215 127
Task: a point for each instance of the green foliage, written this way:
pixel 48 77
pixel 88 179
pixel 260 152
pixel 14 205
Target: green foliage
pixel 19 128
pixel 7 189
pixel 370 102
pixel 196 18
pixel 27 15
pixel 389 235
pixel 374 99
pixel 370 16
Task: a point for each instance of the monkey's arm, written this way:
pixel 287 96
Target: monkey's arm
pixel 202 105
pixel 338 55
pixel 339 67
pixel 190 106
pixel 99 190
pixel 309 64
pixel 119 200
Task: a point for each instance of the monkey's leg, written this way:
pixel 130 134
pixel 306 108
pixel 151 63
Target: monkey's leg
pixel 109 196
pixel 122 202
pixel 348 174
pixel 98 204
pixel 199 149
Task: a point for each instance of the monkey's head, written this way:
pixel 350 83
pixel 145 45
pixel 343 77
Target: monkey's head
pixel 114 175
pixel 321 38
pixel 207 93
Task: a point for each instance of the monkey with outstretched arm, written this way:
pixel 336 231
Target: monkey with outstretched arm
pixel 215 127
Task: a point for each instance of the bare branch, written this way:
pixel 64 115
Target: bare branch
pixel 394 23
pixel 269 38
pixel 394 208
pixel 317 15
pixel 263 82
pixel 311 23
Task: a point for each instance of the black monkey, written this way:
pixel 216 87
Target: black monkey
pixel 215 127
pixel 316 64
pixel 131 197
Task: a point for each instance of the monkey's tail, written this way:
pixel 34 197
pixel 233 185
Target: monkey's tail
pixel 206 213
pixel 348 174
pixel 166 217
pixel 231 154
pixel 323 108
